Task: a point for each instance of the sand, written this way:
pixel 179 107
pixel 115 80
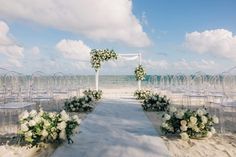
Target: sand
pixel 220 145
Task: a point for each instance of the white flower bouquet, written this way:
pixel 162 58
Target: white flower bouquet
pixel 156 102
pixel 100 55
pixel 47 127
pixel 139 73
pixel 142 94
pixel 188 123
pixel 80 104
pixel 97 95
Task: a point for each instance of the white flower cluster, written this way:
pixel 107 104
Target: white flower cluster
pixel 139 73
pixel 142 94
pixel 36 127
pixel 100 55
pixel 189 124
pixel 156 102
pixel 97 95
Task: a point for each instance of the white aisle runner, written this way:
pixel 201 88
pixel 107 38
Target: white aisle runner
pixel 117 128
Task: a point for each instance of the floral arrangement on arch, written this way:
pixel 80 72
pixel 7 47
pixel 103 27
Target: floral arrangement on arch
pixel 47 127
pixel 97 95
pixel 139 73
pixel 100 55
pixel 156 102
pixel 142 94
pixel 189 123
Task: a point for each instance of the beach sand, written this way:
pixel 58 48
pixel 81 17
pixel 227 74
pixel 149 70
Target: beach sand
pixel 220 145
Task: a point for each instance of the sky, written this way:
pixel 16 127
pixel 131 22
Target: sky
pixel 173 36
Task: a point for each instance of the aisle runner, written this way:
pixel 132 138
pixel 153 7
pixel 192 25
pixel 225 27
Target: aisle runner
pixel 117 128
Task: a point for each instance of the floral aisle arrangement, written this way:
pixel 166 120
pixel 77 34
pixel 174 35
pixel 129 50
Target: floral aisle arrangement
pixel 142 94
pixel 156 102
pixel 47 127
pixel 97 95
pixel 100 55
pixel 139 73
pixel 189 123
pixel 80 104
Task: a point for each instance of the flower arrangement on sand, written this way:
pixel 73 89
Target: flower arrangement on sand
pixel 100 55
pixel 189 123
pixel 47 127
pixel 155 102
pixel 85 103
pixel 139 73
pixel 142 94
pixel 97 95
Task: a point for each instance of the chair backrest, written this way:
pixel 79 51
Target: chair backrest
pixel 229 83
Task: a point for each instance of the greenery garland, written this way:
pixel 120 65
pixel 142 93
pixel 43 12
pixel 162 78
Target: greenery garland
pixel 100 55
pixel 139 73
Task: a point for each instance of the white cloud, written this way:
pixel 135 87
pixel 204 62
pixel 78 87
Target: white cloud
pixel 8 48
pixel 110 20
pixel 220 42
pixel 73 49
pixel 160 64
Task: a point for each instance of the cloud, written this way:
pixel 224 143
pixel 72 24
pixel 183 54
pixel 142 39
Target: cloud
pixel 110 20
pixel 219 42
pixel 9 50
pixel 74 49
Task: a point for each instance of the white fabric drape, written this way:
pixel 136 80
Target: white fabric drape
pixel 129 58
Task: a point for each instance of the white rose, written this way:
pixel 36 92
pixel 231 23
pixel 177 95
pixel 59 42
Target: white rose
pixel 24 127
pixel 183 128
pixel 209 134
pixel 28 134
pixel 24 115
pixel 195 128
pixel 193 120
pixel 204 119
pixel 215 119
pixel 179 114
pixel 32 123
pixel 62 135
pixel 184 136
pixel 213 131
pixel 183 122
pixel 37 119
pixel 172 109
pixel 166 116
pixel 165 125
pixel 52 114
pixel 200 112
pixel 61 126
pixel 46 123
pixel 33 113
pixel 190 125
pixel 76 118
pixel 44 133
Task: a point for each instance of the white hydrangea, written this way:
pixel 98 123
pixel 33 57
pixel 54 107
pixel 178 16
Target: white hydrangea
pixel 184 136
pixel 44 133
pixel 64 116
pixel 166 116
pixel 24 115
pixel 62 135
pixel 204 119
pixel 193 120
pixel 24 127
pixel 28 134
pixel 61 126
pixel 165 125
pixel 215 119
pixel 32 123
pixel 33 113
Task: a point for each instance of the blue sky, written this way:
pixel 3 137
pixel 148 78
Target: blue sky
pixel 173 36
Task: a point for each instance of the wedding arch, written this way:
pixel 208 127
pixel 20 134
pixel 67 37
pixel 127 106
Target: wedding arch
pixel 100 55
